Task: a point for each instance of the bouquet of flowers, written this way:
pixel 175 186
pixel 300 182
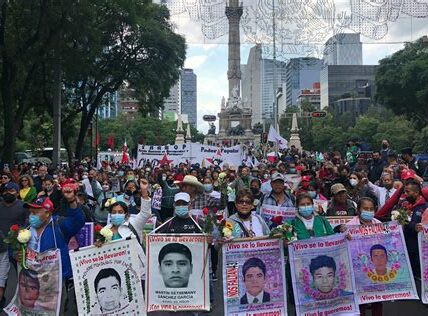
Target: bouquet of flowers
pixel 110 202
pixel 17 238
pixel 284 231
pixel 102 234
pixel 226 229
pixel 207 222
pixel 401 216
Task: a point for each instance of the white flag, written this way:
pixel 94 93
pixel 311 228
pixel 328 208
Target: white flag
pixel 273 136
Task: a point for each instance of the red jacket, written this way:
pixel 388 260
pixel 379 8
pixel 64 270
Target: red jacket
pixel 396 198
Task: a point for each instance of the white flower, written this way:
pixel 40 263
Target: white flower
pixel 106 233
pixel 394 215
pixel 24 236
pixel 222 175
pixel 227 232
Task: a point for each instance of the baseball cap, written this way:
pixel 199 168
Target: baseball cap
pixel 407 174
pixel 182 196
pixel 12 186
pixel 277 176
pixel 41 202
pixel 337 188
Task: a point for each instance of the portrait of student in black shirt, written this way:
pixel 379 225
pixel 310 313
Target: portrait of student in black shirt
pixel 182 222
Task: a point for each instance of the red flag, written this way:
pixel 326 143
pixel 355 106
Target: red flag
pixel 110 142
pixel 125 156
pixel 165 160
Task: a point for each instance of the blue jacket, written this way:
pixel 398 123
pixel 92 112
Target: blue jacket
pixel 65 228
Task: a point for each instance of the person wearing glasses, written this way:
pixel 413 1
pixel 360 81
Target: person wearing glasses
pixel 246 223
pixel 6 177
pixel 27 192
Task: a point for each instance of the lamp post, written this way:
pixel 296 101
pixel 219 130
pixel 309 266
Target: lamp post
pixel 278 94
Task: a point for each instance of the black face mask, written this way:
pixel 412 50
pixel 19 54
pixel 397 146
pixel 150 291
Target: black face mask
pixel 128 192
pixel 9 198
pixel 170 181
pixel 384 146
pixel 244 216
pixel 255 191
pixel 411 199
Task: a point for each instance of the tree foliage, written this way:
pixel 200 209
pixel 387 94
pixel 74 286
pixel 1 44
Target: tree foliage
pixel 402 82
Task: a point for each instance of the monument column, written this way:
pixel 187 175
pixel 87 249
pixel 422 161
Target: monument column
pixel 234 12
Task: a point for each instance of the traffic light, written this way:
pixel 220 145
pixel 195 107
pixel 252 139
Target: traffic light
pixel 319 114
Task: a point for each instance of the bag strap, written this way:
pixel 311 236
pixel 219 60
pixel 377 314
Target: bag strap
pixel 134 231
pixel 243 228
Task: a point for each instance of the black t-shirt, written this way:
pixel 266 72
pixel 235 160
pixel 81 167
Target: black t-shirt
pixel 178 225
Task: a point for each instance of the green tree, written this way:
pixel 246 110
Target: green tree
pixel 402 81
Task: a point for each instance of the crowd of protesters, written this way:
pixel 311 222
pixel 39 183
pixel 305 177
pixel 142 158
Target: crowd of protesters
pixel 56 203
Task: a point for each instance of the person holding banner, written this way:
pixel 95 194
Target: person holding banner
pixel 279 196
pixel 247 224
pixel 307 224
pixel 366 210
pixel 50 232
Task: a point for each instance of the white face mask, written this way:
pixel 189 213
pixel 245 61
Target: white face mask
pixel 353 182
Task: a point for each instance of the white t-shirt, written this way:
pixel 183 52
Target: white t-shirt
pixel 309 223
pixel 254 225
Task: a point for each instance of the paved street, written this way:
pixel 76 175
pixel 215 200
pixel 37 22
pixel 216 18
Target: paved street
pixel 408 308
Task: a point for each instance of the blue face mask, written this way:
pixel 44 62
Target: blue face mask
pixel 305 211
pixel 312 194
pixel 35 221
pixel 292 170
pixel 367 216
pixel 182 210
pixel 208 187
pixel 120 173
pixel 117 219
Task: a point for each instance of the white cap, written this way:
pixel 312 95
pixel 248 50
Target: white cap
pixel 182 196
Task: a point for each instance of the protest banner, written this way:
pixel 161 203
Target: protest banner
pixel 381 263
pixel 423 256
pixel 338 220
pixel 153 154
pixel 323 204
pixel 322 274
pixel 269 211
pixel 108 156
pixel 106 279
pixel 169 288
pixel 254 277
pixel 39 287
pixel 216 155
pixel 293 180
pixel 84 238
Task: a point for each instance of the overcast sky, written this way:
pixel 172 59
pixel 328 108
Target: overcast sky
pixel 208 57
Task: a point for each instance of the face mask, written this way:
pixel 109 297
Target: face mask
pixel 106 187
pixel 244 216
pixel 163 178
pixel 117 219
pixel 170 181
pixel 305 211
pixel 255 190
pixel 312 194
pixel 208 187
pixel 266 176
pixel 35 221
pixel 130 178
pixel 120 173
pixel 367 216
pixel 182 210
pixel 384 146
pixel 292 170
pixel 9 198
pixel 49 188
pixel 353 182
pixel 84 177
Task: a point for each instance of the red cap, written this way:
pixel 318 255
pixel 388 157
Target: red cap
pixel 408 174
pixel 306 179
pixel 41 202
pixel 70 183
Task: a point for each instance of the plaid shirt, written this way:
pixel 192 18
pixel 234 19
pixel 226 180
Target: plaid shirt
pixel 203 200
pixel 289 200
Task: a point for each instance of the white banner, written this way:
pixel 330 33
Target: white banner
pixel 39 287
pixel 193 152
pixel 109 156
pixel 106 279
pixel 177 278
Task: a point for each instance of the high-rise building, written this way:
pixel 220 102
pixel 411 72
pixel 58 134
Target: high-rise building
pixel 171 105
pixel 188 95
pixel 109 108
pixel 257 85
pixel 301 73
pixel 345 81
pixel 343 49
pixel 311 96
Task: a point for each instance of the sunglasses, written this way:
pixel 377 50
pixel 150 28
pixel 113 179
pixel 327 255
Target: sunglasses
pixel 248 202
pixel 5 177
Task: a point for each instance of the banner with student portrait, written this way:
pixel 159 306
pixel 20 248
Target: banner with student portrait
pixel 106 279
pixel 322 274
pixel 178 270
pixel 423 255
pixel 254 277
pixel 84 238
pixel 267 212
pixel 381 263
pixel 39 287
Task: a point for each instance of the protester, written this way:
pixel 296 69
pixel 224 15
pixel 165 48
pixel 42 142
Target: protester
pixel 383 193
pixel 6 177
pixel 279 196
pixel 27 192
pixel 246 223
pixel 101 211
pixel 340 204
pixel 12 210
pixel 42 173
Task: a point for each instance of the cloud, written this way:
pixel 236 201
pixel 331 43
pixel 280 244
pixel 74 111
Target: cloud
pixel 195 62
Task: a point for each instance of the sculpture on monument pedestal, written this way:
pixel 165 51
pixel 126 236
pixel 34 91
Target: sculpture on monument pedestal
pixel 294 137
pixel 179 132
